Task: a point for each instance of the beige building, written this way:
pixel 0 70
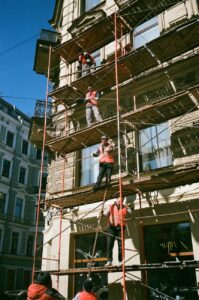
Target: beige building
pixel 157 65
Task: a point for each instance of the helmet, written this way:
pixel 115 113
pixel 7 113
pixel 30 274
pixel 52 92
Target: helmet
pixel 44 278
pixel 104 137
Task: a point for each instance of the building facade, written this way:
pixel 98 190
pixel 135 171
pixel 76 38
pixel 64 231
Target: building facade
pixel 157 67
pixel 19 181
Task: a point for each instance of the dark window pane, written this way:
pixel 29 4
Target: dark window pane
pixel 6 168
pixel 44 181
pixel 2 202
pixel 30 241
pixel 10 280
pixel 38 153
pixel 25 147
pixel 14 243
pixel 9 139
pixel 22 174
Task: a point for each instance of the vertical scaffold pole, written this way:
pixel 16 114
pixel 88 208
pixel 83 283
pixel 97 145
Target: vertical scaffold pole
pixel 119 156
pixel 42 165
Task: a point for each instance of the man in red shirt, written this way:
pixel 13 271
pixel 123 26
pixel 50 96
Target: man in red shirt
pixel 87 293
pixel 86 63
pixel 116 224
pixel 42 289
pixel 91 101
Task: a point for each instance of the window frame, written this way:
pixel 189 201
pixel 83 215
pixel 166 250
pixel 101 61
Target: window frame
pixel 5 199
pixel 18 243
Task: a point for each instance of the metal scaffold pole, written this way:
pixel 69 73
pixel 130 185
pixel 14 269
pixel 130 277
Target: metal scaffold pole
pixel 119 158
pixel 42 165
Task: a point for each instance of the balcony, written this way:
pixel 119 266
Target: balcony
pixel 41 62
pixel 36 132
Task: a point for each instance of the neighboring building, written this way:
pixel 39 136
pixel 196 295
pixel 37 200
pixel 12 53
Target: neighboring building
pixel 19 181
pixel 158 58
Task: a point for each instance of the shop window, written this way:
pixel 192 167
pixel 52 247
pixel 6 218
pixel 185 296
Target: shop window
pixel 14 243
pixel 25 147
pixel 6 168
pixel 9 139
pixel 18 207
pixel 83 253
pixel 170 242
pixel 146 32
pixel 2 203
pixel 155 147
pixel 89 166
pixel 22 175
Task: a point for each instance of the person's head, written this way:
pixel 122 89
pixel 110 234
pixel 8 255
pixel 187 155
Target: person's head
pixel 104 139
pixel 44 278
pixel 118 201
pixel 88 285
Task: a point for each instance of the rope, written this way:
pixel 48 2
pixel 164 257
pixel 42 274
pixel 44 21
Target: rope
pixel 97 231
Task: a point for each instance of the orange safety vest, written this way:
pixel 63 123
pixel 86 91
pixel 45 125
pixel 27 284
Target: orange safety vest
pixel 37 291
pixel 87 296
pixel 90 96
pixel 115 215
pixel 105 156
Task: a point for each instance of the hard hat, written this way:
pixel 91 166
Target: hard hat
pixel 104 137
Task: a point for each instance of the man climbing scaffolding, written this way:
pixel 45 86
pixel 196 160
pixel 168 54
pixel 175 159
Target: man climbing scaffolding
pixel 106 161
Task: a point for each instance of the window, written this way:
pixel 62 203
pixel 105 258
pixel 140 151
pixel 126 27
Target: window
pixel 9 139
pixel 14 243
pixel 146 32
pixel 6 168
pixel 44 181
pixel 89 4
pixel 38 153
pixel 90 166
pixel 170 242
pixel 2 202
pixel 97 57
pixel 22 175
pixel 18 207
pixel 10 280
pixel 155 147
pixel 25 147
pixel 83 251
pixel 30 242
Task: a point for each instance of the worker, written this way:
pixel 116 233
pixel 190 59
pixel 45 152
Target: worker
pixel 87 293
pixel 114 212
pixel 86 63
pixel 91 101
pixel 42 289
pixel 106 161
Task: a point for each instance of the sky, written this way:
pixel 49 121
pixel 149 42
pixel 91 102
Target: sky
pixel 20 24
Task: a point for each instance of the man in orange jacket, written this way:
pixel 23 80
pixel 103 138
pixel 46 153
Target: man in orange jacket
pixel 87 293
pixel 42 289
pixel 106 161
pixel 117 222
pixel 86 63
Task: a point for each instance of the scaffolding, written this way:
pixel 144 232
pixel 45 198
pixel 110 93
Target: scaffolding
pixel 123 68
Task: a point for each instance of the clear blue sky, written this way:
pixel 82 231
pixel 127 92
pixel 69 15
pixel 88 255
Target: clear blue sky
pixel 19 21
